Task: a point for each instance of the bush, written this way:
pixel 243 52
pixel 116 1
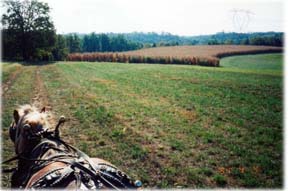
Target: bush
pixel 42 55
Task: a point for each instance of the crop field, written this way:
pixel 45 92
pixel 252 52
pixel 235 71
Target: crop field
pixel 171 126
pixel 202 50
pixel 206 55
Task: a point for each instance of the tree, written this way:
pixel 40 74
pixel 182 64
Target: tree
pixel 213 41
pixel 86 45
pixel 60 50
pixel 73 43
pixel 28 26
pixel 118 43
pixel 104 43
pixel 245 41
pixel 90 43
pixel 257 40
pixel 94 42
pixel 11 47
pixel 228 41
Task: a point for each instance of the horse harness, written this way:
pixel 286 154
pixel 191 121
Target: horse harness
pixel 54 163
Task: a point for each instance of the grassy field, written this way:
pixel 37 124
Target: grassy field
pixel 167 125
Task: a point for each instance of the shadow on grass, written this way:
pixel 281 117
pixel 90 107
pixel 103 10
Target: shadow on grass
pixel 39 63
pixel 30 63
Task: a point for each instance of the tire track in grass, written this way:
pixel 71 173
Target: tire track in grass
pixel 41 97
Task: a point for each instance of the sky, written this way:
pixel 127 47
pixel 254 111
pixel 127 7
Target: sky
pixel 180 17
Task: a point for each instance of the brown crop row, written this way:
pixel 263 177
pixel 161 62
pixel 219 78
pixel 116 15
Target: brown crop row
pixel 123 58
pixel 205 55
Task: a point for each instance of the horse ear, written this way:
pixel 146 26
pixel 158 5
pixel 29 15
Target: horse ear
pixel 43 110
pixel 16 116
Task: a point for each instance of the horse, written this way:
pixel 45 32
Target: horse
pixel 46 161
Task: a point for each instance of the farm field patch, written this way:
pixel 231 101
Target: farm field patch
pixel 204 55
pixel 201 50
pixel 172 126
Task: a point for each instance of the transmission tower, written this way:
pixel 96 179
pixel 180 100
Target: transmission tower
pixel 241 19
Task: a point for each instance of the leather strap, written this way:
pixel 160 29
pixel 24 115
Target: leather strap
pixel 38 175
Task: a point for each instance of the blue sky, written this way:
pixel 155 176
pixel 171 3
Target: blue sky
pixel 181 17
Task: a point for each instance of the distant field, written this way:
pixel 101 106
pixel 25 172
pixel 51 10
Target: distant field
pixel 207 55
pixel 202 50
pixel 171 126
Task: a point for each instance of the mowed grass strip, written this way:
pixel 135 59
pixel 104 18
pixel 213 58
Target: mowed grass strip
pixel 176 125
pixel 254 63
pixel 7 71
pixel 19 93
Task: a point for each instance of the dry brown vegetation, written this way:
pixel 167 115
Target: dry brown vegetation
pixel 206 55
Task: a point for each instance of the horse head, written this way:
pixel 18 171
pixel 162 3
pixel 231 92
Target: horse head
pixel 28 123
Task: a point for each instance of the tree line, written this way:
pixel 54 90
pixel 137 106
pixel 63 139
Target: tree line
pixel 99 43
pixel 263 38
pixel 152 39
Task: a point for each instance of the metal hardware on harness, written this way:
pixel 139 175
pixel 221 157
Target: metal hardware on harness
pixel 47 177
pixel 56 131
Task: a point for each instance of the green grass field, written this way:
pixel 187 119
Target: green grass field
pixel 167 125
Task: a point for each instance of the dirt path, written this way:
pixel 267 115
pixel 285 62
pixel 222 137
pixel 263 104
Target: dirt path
pixel 41 99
